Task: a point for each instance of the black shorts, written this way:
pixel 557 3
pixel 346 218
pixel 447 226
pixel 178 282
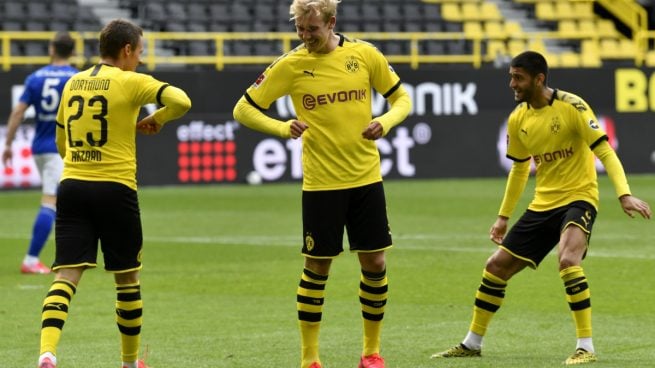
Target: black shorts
pixel 535 234
pixel 88 211
pixel 363 212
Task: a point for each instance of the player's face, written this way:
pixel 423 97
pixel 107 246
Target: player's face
pixel 523 84
pixel 314 32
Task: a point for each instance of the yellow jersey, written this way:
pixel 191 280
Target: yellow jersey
pixel 97 116
pixel 331 93
pixel 559 138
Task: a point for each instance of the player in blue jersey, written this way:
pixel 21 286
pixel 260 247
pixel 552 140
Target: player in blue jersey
pixel 43 91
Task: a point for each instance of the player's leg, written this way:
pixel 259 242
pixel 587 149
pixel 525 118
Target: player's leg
pixel 309 303
pixel 572 249
pixel 121 239
pixel 526 244
pixel 129 316
pixel 369 235
pixel 55 312
pixel 323 222
pixel 75 250
pixel 50 167
pixel 373 287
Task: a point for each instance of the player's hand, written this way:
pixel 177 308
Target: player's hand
pixel 632 204
pixel 148 126
pixel 373 131
pixel 297 128
pixel 7 155
pixel 498 230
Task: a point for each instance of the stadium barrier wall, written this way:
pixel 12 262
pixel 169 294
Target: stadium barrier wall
pixel 455 129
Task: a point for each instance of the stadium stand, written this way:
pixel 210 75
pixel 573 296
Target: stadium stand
pixel 570 33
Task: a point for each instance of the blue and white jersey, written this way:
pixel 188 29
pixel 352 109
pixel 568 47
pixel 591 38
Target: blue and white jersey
pixel 43 91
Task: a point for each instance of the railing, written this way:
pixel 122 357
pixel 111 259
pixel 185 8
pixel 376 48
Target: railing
pixel 220 59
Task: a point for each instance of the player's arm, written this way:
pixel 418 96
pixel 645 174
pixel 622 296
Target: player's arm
pixel 254 118
pixel 15 118
pixel 616 173
pixel 174 104
pixel 516 181
pixel 401 105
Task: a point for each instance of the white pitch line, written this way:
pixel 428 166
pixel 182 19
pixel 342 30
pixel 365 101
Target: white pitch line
pixel 422 242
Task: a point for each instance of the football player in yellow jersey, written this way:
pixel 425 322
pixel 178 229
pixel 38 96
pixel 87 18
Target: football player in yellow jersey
pixel 560 133
pixel 330 79
pixel 97 199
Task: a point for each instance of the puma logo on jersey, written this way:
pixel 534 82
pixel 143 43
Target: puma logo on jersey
pixel 309 73
pixel 524 131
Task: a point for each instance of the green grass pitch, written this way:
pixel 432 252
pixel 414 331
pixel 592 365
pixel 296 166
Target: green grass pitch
pixel 222 263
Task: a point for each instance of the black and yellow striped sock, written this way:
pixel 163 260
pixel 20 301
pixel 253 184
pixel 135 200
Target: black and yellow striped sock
pixel 54 314
pixel 488 299
pixel 579 298
pixel 129 312
pixel 310 298
pixel 373 297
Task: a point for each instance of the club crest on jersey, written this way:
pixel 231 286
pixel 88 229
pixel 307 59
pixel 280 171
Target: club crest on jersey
pixel 259 81
pixel 555 126
pixel 593 124
pixel 352 65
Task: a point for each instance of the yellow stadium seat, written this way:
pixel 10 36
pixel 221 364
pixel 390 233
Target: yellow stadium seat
pixel 569 60
pixel 590 60
pixel 564 10
pixel 537 45
pixel 544 11
pixel 583 9
pixel 513 28
pixel 551 59
pixel 587 28
pixel 473 29
pixel 489 11
pixel 515 47
pixel 589 49
pixel 627 48
pixel 494 30
pixel 567 28
pixel 471 11
pixel 495 49
pixel 609 49
pixel 606 28
pixel 451 12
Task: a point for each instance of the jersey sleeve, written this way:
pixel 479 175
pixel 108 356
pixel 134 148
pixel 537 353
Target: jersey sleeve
pixel 516 150
pixel 146 89
pixel 272 84
pixel 383 77
pixel 28 95
pixel 588 126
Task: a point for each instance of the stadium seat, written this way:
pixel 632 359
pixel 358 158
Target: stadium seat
pixel 494 30
pixel 451 12
pixel 37 11
pixel 544 10
pixel 568 28
pixel 14 10
pixel 495 49
pixel 513 29
pixel 587 28
pixel 197 12
pixel 473 29
pixel 564 10
pixel 583 9
pixel 569 59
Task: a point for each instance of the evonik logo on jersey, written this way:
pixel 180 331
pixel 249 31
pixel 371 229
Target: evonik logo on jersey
pixel 309 102
pixel 428 98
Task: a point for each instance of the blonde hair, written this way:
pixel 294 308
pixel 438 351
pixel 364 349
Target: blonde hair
pixel 324 8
